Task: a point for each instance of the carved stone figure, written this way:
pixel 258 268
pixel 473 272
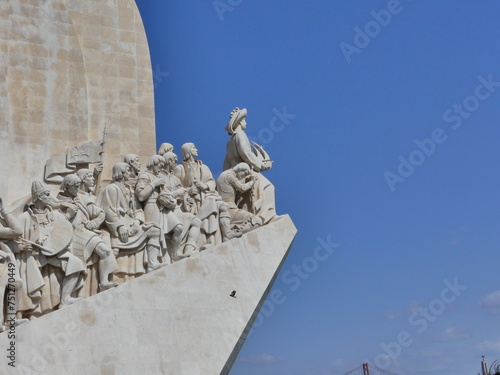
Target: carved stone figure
pixel 134 162
pixel 147 191
pixel 209 207
pixel 87 217
pixel 10 229
pixel 52 273
pixel 164 148
pixel 141 221
pixel 238 149
pixel 181 228
pixel 87 187
pixel 232 185
pixel 129 234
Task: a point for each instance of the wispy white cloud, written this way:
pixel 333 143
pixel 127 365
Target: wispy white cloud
pixel 411 307
pixel 453 334
pixel 492 302
pixel 261 359
pixel 490 347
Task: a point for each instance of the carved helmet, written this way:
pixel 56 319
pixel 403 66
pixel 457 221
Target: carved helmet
pixel 38 187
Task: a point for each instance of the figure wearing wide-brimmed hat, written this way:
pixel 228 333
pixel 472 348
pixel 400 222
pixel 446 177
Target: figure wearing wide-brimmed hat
pixel 260 200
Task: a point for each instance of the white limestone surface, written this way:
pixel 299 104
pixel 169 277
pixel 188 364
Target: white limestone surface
pixel 178 320
pixel 68 69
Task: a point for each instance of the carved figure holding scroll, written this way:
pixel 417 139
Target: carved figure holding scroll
pixel 129 234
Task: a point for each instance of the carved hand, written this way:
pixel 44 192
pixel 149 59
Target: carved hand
pixel 71 210
pixel 266 165
pixel 193 190
pixel 98 169
pixel 25 247
pixel 159 182
pixel 91 225
pixel 123 234
pixel 201 185
pixel 135 228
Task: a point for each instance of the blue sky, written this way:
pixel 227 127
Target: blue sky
pixel 382 119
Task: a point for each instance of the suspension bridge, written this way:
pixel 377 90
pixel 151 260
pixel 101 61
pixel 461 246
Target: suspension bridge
pixel 366 369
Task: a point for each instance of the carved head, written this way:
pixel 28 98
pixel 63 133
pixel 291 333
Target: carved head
pixel 40 192
pixel 155 164
pixel 188 150
pixel 164 148
pixel 86 176
pixel 242 170
pixel 121 171
pixel 170 160
pixel 134 161
pixel 71 185
pixel 237 121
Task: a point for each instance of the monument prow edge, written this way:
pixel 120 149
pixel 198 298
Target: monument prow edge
pixel 183 319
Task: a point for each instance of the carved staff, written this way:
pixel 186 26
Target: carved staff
pixel 43 249
pixel 104 140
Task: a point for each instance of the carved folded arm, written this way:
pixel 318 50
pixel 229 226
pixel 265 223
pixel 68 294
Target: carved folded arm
pixel 242 188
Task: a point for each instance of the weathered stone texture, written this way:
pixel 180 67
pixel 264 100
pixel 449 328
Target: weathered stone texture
pixel 67 68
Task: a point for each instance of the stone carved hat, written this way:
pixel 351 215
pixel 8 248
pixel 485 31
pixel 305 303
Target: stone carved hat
pixel 38 187
pixel 236 116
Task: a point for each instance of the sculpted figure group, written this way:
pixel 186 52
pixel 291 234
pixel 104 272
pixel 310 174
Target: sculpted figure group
pixel 80 242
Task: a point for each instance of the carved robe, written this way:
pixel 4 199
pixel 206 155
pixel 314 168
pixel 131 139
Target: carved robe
pixel 207 202
pixel 85 241
pixel 260 201
pixel 118 203
pixel 8 267
pixel 43 272
pixel 230 188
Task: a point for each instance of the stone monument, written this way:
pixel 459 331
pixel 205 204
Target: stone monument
pixel 72 75
pixel 105 267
